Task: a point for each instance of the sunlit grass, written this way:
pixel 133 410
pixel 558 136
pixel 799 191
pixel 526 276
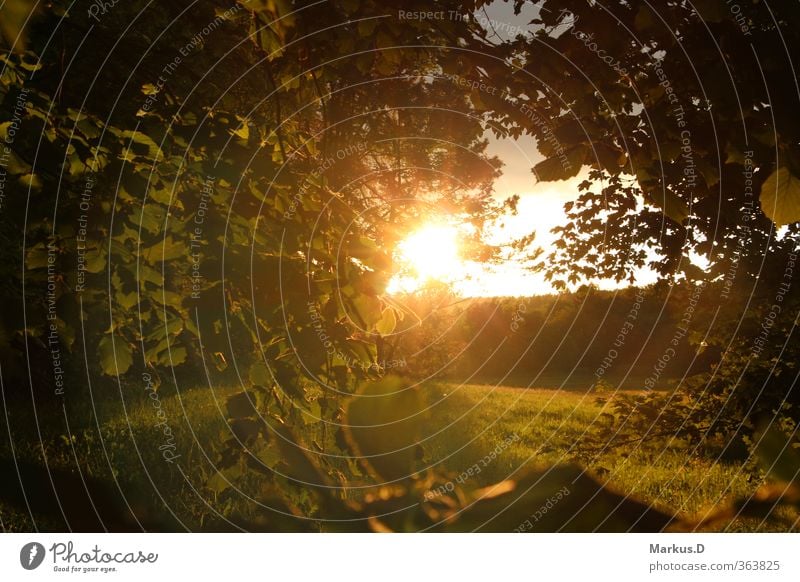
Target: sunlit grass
pixel 464 424
pixel 550 425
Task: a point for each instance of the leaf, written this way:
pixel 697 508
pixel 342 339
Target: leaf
pixel 245 429
pixel 31 181
pixel 477 102
pixel 127 300
pixel 387 322
pixel 362 351
pixel 240 405
pixel 242 132
pixel 217 483
pixel 178 356
pixel 167 249
pixel 777 457
pixel 87 127
pixel 269 456
pixel 382 425
pixel 153 216
pixel 36 257
pixel 780 197
pixel 608 158
pixel 96 261
pixel 672 205
pixel 161 194
pixel 366 310
pixel 12 25
pixel 114 363
pixel 571 131
pixel 220 481
pixel 141 139
pixel 294 455
pixel 367 27
pixel 561 167
pixel 150 275
pixel 259 374
pixel 312 412
pixel 735 155
pixel 711 10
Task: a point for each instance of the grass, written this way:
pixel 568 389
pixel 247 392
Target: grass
pixel 550 425
pixel 464 423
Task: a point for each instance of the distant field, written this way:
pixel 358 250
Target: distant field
pixel 579 381
pixel 464 423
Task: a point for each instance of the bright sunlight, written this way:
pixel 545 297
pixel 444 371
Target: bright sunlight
pixel 430 253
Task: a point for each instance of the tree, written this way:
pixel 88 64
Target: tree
pixel 683 114
pixel 218 186
pixel 222 204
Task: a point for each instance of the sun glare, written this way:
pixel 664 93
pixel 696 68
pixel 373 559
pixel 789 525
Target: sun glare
pixel 430 253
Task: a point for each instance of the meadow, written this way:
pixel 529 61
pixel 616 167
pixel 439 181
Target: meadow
pixel 477 434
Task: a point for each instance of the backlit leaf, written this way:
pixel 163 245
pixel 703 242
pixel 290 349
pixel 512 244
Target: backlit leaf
pixel 780 197
pixel 115 356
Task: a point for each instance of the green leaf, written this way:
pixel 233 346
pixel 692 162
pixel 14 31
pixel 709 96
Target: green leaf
pixel 240 405
pixel 127 300
pixel 151 275
pixel 243 131
pixel 245 429
pixel 31 181
pixel 36 257
pixel 167 249
pixel 366 310
pixel 362 351
pixel 780 197
pixel 114 363
pixel 269 456
pixel 12 24
pixel 776 455
pixel 311 412
pixel 383 424
pixel 96 261
pixel 217 483
pixel 142 139
pixel 387 322
pixel 220 481
pixel 293 453
pixel 259 374
pixel 178 356
pixel 153 216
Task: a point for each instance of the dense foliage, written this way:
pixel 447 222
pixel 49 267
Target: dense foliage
pixel 212 191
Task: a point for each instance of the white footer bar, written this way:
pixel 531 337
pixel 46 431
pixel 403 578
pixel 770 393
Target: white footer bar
pixel 401 557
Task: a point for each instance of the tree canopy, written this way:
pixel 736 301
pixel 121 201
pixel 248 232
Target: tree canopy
pixel 213 190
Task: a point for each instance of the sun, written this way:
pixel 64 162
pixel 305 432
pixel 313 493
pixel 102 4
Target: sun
pixel 429 253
